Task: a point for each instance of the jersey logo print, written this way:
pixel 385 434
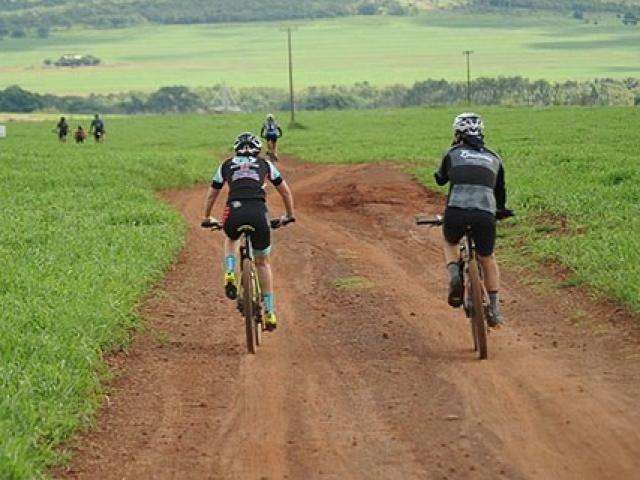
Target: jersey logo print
pixel 246 171
pixel 476 157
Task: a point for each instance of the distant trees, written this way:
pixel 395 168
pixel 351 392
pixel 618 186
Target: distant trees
pixel 630 19
pixel 577 7
pixel 173 100
pixel 15 99
pixel 43 32
pixel 76 61
pixel 18 33
pixel 30 15
pixel 484 91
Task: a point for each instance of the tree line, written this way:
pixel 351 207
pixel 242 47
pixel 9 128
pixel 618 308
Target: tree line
pixel 22 17
pixel 614 6
pixel 507 91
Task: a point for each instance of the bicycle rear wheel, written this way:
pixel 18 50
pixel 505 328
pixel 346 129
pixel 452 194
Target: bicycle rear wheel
pixel 248 306
pixel 479 326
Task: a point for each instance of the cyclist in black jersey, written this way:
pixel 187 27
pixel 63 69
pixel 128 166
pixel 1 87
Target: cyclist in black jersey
pixel 477 197
pixel 246 173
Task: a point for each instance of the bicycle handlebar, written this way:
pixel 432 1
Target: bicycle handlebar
pixel 433 222
pixel 274 223
pixel 211 225
pixel 281 222
pixel 439 220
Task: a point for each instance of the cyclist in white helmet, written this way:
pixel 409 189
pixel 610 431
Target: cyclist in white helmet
pixel 271 131
pixel 477 196
pixel 246 174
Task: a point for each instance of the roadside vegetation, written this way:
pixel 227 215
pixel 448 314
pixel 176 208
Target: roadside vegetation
pixel 83 235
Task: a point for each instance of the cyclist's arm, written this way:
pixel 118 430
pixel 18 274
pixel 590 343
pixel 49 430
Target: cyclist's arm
pixel 287 197
pixel 442 175
pixel 500 190
pixel 212 196
pixel 262 132
pixel 279 132
pixel 283 188
pixel 214 191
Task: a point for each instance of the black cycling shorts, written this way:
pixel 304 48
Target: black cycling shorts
pixel 482 223
pixel 253 213
pixel 272 137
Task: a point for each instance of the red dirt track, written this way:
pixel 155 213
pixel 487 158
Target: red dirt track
pixel 368 379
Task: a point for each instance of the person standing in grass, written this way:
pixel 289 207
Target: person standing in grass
pixel 271 131
pixel 80 135
pixel 63 130
pixel 477 197
pixel 97 128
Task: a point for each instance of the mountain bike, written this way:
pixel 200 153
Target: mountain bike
pixel 476 300
pixel 249 301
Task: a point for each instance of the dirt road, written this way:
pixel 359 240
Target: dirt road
pixel 370 375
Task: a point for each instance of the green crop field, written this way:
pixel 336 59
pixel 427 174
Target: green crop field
pixel 83 236
pixel 381 50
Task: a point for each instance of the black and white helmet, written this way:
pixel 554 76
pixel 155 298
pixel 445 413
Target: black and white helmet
pixel 469 124
pixel 247 144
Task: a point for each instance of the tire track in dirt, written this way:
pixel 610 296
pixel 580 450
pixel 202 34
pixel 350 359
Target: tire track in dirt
pixel 370 374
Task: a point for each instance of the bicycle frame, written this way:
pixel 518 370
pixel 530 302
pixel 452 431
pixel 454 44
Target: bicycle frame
pixel 475 300
pixel 476 305
pixel 246 253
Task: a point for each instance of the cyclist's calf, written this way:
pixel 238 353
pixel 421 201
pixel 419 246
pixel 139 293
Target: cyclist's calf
pixel 491 272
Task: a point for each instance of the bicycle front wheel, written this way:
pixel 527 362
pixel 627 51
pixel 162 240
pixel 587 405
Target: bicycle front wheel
pixel 248 294
pixel 479 327
pixel 258 313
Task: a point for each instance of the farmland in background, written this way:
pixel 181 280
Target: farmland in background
pixel 380 49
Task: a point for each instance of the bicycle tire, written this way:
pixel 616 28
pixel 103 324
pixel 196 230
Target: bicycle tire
pixel 469 314
pixel 257 314
pixel 247 300
pixel 477 318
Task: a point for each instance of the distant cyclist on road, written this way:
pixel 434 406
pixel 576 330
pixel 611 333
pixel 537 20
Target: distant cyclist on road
pixel 63 129
pixel 271 131
pixel 477 197
pixel 97 128
pixel 246 173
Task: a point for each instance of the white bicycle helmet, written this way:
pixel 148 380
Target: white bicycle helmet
pixel 469 124
pixel 247 144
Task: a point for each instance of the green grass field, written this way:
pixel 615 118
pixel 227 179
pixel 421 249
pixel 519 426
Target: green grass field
pixel 381 50
pixel 83 235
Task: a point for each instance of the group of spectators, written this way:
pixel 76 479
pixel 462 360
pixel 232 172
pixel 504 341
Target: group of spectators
pixel 80 135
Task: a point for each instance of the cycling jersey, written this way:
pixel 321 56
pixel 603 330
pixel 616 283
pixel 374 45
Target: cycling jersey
pixel 477 178
pixel 271 129
pixel 63 127
pixel 97 126
pixel 246 177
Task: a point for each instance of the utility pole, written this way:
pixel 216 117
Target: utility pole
pixel 468 53
pixel 291 96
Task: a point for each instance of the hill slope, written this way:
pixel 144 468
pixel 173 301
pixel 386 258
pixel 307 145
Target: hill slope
pixel 118 13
